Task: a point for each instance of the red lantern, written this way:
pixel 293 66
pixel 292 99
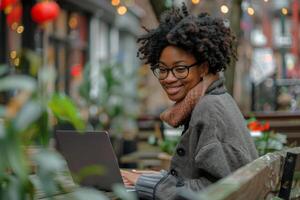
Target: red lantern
pixel 44 11
pixel 15 15
pixel 5 3
pixel 76 70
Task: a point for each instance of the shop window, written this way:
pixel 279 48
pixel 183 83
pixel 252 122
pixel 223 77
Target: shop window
pixel 67 50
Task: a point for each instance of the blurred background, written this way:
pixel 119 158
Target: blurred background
pixel 87 51
pixel 84 37
pixel 77 59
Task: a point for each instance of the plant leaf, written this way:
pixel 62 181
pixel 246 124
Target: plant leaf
pixel 3 69
pixel 2 111
pixel 30 112
pixel 34 61
pixel 2 131
pixel 121 192
pixel 91 170
pixel 64 109
pixel 14 188
pixel 49 163
pixel 14 82
pixel 15 157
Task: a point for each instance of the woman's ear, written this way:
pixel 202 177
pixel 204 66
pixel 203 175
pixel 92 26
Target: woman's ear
pixel 204 70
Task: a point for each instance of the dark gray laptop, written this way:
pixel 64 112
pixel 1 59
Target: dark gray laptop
pixel 89 149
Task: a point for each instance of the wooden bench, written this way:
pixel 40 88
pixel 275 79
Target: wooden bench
pixel 259 179
pixel 287 123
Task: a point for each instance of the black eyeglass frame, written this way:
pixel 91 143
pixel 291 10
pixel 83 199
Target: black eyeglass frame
pixel 172 70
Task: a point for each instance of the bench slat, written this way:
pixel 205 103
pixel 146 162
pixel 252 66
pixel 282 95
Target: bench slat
pixel 259 179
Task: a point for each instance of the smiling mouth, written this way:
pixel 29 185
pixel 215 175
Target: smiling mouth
pixel 173 90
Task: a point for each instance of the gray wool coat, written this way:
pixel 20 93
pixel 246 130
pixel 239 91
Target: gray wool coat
pixel 215 143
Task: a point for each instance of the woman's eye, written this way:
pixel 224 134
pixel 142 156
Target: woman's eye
pixel 162 70
pixel 180 69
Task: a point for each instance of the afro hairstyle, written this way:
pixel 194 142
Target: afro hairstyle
pixel 207 38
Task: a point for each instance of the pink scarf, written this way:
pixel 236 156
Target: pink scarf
pixel 181 110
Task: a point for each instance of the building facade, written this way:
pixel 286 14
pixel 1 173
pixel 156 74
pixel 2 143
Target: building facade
pixel 87 33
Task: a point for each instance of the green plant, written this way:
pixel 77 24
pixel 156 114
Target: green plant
pixel 27 164
pixel 64 110
pixel 24 123
pixel 115 106
pixel 265 140
pixel 269 141
pixel 168 145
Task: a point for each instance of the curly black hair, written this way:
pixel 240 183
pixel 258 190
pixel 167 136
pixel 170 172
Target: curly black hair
pixel 206 37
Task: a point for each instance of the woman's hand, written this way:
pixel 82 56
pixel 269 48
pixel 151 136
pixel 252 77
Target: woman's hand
pixel 130 177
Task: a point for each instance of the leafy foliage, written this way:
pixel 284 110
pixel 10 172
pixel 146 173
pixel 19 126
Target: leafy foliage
pixel 114 107
pixel 29 169
pixel 168 145
pixel 24 123
pixel 121 192
pixel 20 114
pixel 266 140
pixel 65 110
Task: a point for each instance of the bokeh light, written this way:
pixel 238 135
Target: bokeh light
pixel 115 2
pixel 20 29
pixel 224 9
pixel 195 1
pixel 122 10
pixel 250 11
pixel 284 11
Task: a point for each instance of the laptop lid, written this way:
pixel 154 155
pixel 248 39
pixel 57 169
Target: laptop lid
pixel 90 149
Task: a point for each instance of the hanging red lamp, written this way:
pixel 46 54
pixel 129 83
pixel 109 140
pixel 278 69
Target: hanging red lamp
pixel 15 15
pixel 6 3
pixel 76 70
pixel 45 11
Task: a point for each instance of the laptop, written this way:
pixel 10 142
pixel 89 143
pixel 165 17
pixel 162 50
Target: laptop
pixel 82 150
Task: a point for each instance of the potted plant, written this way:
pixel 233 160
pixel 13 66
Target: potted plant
pixel 265 139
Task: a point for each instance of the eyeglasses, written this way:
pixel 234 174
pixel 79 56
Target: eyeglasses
pixel 180 71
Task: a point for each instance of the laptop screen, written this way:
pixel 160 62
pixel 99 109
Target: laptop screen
pixel 90 157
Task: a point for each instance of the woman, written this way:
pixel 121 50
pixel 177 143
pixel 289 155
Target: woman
pixel 186 54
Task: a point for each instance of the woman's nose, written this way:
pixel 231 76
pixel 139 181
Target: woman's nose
pixel 170 77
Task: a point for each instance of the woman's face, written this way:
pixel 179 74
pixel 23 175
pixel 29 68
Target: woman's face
pixel 175 88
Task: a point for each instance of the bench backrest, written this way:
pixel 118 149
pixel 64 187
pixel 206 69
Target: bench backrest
pixel 259 179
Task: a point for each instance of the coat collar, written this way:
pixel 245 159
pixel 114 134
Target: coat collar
pixel 217 87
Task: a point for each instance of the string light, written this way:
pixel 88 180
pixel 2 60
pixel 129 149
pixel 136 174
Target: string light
pixel 224 9
pixel 73 22
pixel 14 26
pixel 13 54
pixel 195 1
pixel 115 2
pixel 17 62
pixel 284 11
pixel 250 11
pixel 20 29
pixel 122 10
